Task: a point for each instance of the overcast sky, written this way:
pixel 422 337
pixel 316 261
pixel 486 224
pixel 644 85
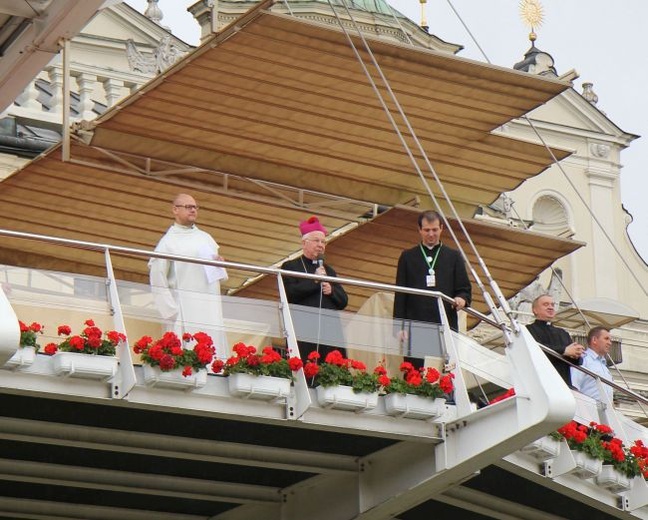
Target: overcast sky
pixel 602 39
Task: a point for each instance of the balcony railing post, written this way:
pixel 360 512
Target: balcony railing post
pixel 55 74
pixel 86 83
pixel 9 329
pixel 452 363
pixel 125 380
pixel 303 400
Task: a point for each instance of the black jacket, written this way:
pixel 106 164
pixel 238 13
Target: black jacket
pixel 307 292
pixel 451 279
pixel 556 339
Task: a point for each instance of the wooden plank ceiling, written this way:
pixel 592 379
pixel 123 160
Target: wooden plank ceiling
pixel 280 99
pixel 370 252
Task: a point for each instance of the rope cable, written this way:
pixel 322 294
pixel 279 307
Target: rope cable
pixel 408 150
pixel 581 198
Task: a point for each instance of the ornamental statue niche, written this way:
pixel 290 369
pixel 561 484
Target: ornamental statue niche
pixel 164 55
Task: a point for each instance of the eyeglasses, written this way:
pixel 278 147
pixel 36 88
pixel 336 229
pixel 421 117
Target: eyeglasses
pixel 317 240
pixel 188 207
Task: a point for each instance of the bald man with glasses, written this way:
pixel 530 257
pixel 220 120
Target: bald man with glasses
pixel 187 295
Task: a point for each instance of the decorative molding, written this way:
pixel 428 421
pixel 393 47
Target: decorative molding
pixel 550 216
pixel 165 55
pixel 600 150
pixel 601 177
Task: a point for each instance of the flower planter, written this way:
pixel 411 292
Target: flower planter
pixel 265 388
pixel 344 398
pixel 413 406
pixel 85 366
pixel 154 377
pixel 613 480
pixel 543 449
pixel 586 466
pixel 23 357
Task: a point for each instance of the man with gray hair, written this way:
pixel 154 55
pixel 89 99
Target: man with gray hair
pixel 326 296
pixel 555 338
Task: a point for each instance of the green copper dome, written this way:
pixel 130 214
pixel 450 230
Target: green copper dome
pixel 370 6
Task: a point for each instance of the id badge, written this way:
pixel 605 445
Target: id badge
pixel 430 279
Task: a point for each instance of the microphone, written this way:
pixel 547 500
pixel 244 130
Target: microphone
pixel 320 260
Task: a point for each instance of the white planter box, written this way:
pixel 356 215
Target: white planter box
pixel 613 480
pixel 586 466
pixel 154 377
pixel 543 449
pixel 344 398
pixel 265 388
pixel 85 366
pixel 23 357
pixel 413 406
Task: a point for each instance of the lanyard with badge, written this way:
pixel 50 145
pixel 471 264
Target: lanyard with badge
pixel 430 279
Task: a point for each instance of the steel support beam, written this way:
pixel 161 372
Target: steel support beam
pixel 134 483
pixel 47 510
pixel 143 443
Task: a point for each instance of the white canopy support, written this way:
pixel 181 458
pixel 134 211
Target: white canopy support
pixel 9 329
pixel 594 312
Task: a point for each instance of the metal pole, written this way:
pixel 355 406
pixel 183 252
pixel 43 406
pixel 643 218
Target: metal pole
pixel 303 399
pixel 65 150
pixel 126 379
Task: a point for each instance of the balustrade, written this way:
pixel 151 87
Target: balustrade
pixel 88 91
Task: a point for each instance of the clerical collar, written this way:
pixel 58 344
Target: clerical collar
pixel 184 227
pixel 308 260
pixel 430 248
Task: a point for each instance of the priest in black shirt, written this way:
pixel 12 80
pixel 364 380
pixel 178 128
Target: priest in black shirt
pixel 312 293
pixel 429 265
pixel 555 338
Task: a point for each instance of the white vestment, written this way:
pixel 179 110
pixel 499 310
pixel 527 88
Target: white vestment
pixel 188 295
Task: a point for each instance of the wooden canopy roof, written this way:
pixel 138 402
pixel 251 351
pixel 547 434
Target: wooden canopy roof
pixel 273 120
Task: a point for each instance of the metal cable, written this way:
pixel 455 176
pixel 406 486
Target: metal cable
pixel 557 163
pixel 562 170
pixel 420 148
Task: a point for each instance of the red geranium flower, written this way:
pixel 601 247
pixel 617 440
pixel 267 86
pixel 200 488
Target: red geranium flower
pixel 295 363
pixel 311 370
pixel 267 363
pixel 217 366
pixel 50 349
pixel 29 334
pixel 167 353
pixel 64 330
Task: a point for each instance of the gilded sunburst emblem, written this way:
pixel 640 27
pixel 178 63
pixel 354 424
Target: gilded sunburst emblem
pixel 531 13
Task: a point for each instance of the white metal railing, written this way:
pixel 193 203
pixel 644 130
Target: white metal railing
pixel 482 363
pixel 128 379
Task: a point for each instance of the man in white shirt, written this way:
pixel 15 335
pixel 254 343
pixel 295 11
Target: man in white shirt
pixel 188 295
pixel 599 342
